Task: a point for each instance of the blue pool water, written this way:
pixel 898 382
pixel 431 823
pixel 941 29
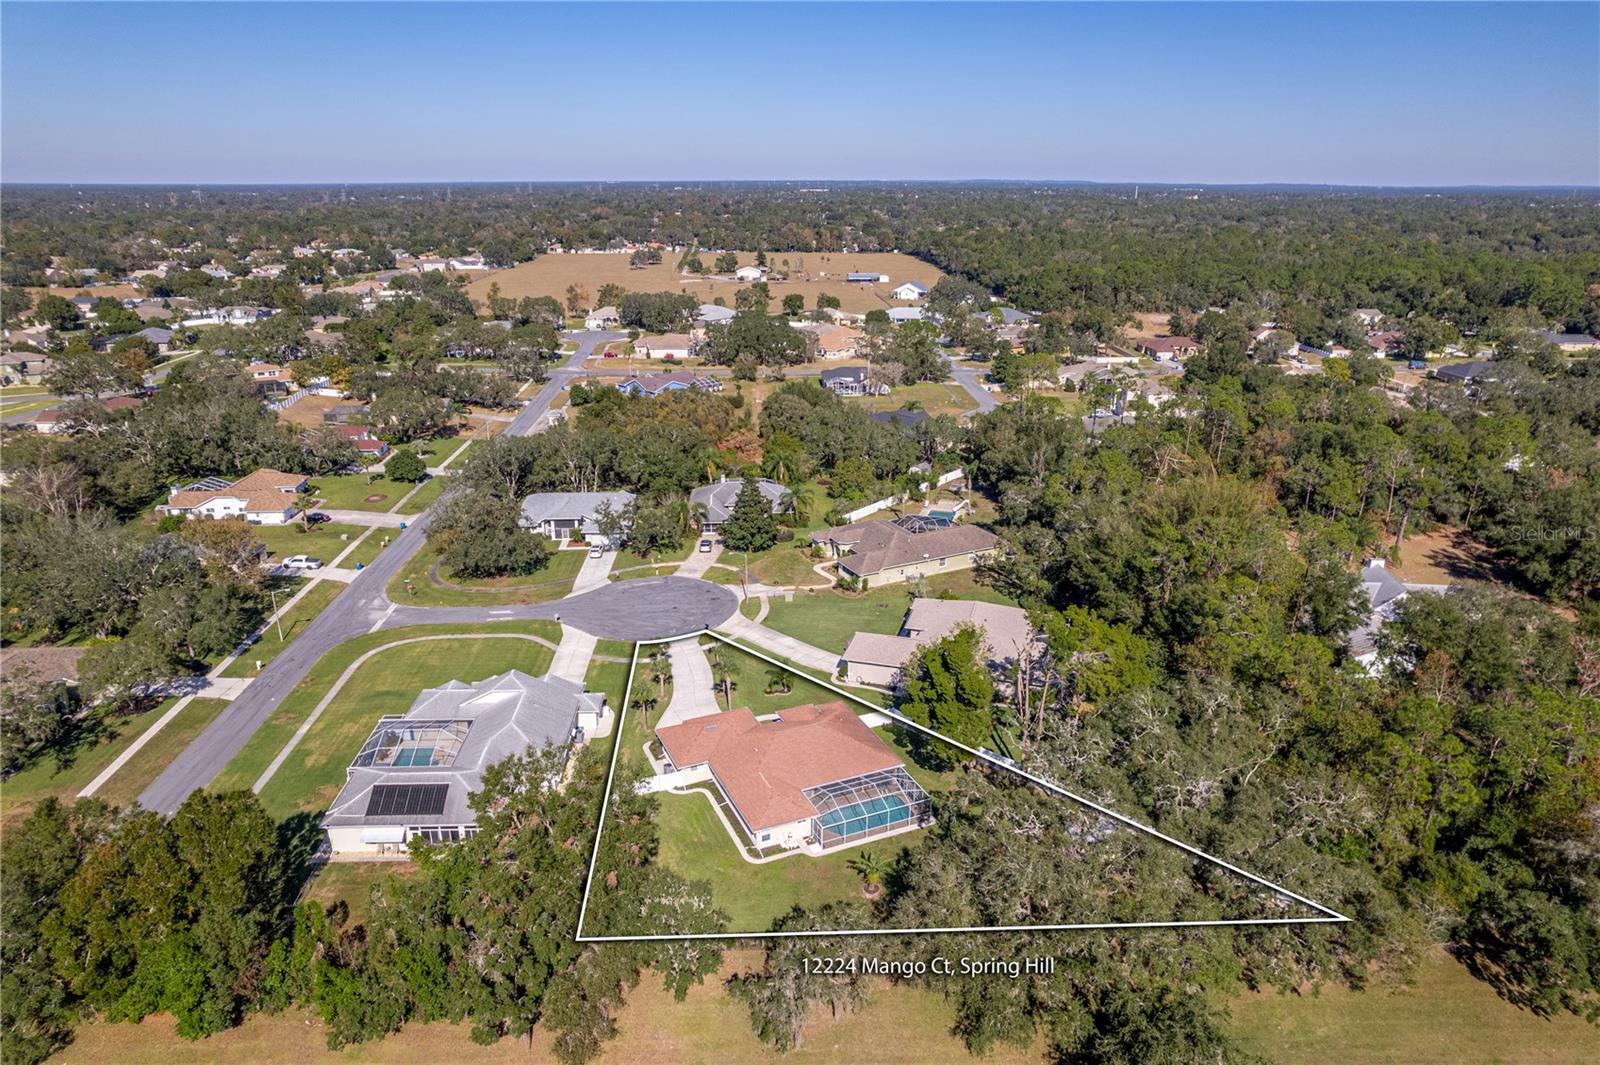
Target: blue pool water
pixel 882 811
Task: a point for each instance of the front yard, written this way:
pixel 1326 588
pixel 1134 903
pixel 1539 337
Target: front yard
pixel 323 541
pixel 362 491
pixel 414 585
pixel 828 618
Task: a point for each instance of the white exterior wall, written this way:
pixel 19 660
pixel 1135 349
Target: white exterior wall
pixel 789 836
pixel 879 676
pixel 225 507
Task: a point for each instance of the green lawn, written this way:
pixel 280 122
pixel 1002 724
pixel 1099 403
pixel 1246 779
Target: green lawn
pixel 633 573
pixel 695 844
pixel 614 648
pixel 1448 1016
pixel 750 608
pixel 551 582
pixel 783 564
pixel 349 491
pixel 368 549
pixel 932 396
pixel 352 884
pixel 129 782
pixel 387 683
pixel 828 618
pixel 105 737
pixel 267 647
pixel 751 677
pixel 431 489
pixel 269 739
pixel 320 541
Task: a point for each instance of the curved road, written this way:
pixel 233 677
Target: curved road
pixel 360 608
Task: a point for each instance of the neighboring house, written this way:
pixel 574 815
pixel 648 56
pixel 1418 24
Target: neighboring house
pixel 265 497
pixel 664 346
pixel 270 379
pixel 1385 342
pixel 1013 317
pixel 851 381
pixel 901 315
pixel 1385 592
pixel 812 776
pixel 570 515
pixel 885 552
pixel 413 777
pixel 903 419
pixel 1367 316
pixel 24 368
pixel 711 314
pixel 51 419
pixel 468 262
pixel 157 336
pixel 152 312
pixel 231 316
pixel 910 290
pixel 868 278
pixel 748 273
pixel 370 447
pixel 875 659
pixel 1464 372
pixel 833 341
pixel 718 499
pixel 84 305
pixel 1569 342
pixel 1170 347
pixel 602 318
pixel 655 384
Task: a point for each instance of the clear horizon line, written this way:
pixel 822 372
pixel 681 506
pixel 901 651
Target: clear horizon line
pixel 1107 183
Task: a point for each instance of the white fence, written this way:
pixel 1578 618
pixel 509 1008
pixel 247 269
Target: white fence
pixel 680 778
pixel 894 500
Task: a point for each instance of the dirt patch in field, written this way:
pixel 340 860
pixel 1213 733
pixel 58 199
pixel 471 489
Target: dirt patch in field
pixel 376 497
pixel 810 273
pixel 1151 324
pixel 307 413
pixel 113 292
pixel 1446 555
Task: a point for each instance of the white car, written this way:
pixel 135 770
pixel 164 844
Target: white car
pixel 596 551
pixel 302 562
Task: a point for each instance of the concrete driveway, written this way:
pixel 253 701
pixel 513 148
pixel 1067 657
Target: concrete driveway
pixel 692 693
pixel 699 561
pixel 776 643
pixel 595 573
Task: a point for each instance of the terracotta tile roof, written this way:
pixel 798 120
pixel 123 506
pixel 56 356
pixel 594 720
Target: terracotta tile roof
pixel 764 767
pixel 1169 344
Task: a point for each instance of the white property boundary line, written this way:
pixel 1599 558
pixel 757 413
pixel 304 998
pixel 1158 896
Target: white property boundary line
pixel 1329 916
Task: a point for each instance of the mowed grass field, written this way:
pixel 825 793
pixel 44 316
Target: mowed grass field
pixel 810 273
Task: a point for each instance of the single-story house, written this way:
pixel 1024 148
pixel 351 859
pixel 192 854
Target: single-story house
pixel 84 304
pixel 910 290
pixel 850 381
pixel 813 776
pixel 655 384
pixel 664 346
pixel 414 775
pixel 868 277
pixel 1170 347
pixel 711 314
pixel 892 552
pixel 1463 372
pixel 601 318
pixel 362 439
pixel 1385 592
pixel 902 419
pixel 871 658
pixel 560 515
pixel 159 338
pixel 833 341
pixel 22 367
pixel 468 262
pixel 748 273
pixel 718 499
pixel 901 315
pixel 1569 342
pixel 1012 316
pixel 1384 342
pixel 231 316
pixel 49 420
pixel 265 497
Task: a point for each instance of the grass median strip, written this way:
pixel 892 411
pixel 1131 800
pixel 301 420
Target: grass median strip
pixel 268 647
pixel 127 783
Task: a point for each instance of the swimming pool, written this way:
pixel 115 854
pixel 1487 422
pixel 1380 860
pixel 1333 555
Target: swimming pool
pixel 869 815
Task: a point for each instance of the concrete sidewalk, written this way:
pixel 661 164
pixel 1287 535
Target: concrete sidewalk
pixel 381 518
pixel 776 643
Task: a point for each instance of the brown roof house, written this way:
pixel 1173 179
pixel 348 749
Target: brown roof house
pixel 876 659
pixel 892 552
pixel 1170 347
pixel 811 776
pixel 265 497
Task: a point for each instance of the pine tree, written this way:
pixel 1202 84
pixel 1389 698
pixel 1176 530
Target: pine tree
pixel 751 526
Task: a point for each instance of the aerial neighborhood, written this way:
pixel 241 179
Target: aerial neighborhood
pixel 742 576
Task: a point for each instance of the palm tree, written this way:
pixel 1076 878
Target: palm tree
pixel 872 870
pixel 779 681
pixel 721 676
pixel 660 669
pixel 302 507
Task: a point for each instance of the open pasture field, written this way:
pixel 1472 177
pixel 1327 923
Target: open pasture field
pixel 810 273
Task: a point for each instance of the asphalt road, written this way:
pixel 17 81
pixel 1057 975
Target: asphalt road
pixel 970 377
pixel 361 607
pixel 648 608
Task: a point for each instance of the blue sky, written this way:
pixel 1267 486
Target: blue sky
pixel 1432 94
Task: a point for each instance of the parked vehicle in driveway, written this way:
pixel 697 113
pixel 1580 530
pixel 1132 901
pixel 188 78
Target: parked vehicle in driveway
pixel 302 562
pixel 705 545
pixel 596 551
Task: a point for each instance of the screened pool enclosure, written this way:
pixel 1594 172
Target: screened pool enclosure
pixel 869 805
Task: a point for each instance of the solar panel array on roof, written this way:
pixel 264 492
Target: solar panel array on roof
pixel 407 800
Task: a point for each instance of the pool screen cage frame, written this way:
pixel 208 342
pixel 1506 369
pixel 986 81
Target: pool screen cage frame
pixel 881 783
